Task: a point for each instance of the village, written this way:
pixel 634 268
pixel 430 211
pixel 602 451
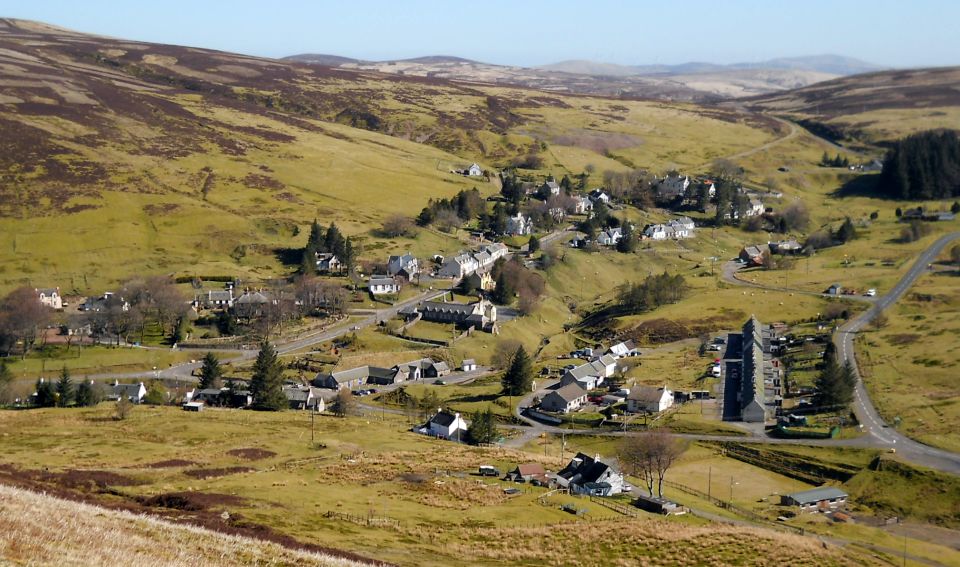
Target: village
pixel 742 389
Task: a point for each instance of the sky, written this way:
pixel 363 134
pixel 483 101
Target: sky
pixel 896 33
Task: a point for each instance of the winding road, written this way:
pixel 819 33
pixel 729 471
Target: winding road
pixel 877 435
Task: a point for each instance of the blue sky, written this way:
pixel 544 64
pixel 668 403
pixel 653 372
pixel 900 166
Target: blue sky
pixel 530 32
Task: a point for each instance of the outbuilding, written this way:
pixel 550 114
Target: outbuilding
pixel 823 498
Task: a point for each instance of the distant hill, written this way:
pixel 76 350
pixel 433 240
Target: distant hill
pixel 321 59
pixel 829 64
pixel 694 81
pixel 873 107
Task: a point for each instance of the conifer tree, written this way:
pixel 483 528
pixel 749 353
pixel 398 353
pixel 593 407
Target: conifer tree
pixel 517 379
pixel 64 389
pixel 483 428
pixel 46 395
pixel 210 373
pixel 266 385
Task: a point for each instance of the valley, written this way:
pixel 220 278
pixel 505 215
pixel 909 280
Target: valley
pixel 321 310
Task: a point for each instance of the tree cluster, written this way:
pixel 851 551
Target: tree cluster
pixel 652 292
pixel 923 166
pixel 513 279
pixel 834 384
pixel 21 319
pixel 836 161
pixel 483 428
pixel 915 231
pixel 453 212
pixel 330 241
pixel 62 393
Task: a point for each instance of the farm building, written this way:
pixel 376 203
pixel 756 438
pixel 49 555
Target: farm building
pixel 823 498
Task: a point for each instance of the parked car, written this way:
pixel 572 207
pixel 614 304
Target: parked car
pixel 487 470
pixel 870 292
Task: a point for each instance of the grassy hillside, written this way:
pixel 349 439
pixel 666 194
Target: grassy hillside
pixel 874 107
pixel 82 534
pixel 910 364
pixel 428 509
pixel 118 156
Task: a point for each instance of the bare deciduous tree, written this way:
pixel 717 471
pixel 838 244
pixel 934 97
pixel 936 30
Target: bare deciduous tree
pixel 21 317
pixel 649 455
pixel 398 225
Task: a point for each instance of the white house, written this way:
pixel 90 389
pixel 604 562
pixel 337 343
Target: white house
pixel 447 425
pixel 672 186
pixel 551 187
pixel 754 208
pixel 328 262
pixel 132 392
pixel 519 225
pixel 606 365
pixel 658 232
pixel 379 285
pixel 565 399
pixel 649 399
pixel 474 170
pixel 623 349
pixel 610 237
pixel 496 250
pixel 582 205
pixel 468 365
pixel 590 475
pixel 463 264
pixel 50 297
pixel 599 196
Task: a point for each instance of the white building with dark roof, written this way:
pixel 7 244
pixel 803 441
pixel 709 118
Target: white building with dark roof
pixel 49 297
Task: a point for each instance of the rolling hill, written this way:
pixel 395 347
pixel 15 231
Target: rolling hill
pixel 119 156
pixel 695 81
pixel 873 107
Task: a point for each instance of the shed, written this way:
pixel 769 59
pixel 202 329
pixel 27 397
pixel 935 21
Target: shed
pixel 822 498
pixel 657 505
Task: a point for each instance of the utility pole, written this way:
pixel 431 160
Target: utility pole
pixel 313 414
pixel 709 481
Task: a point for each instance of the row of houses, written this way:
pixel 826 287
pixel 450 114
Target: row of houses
pixel 753 377
pixel 673 229
pixel 480 315
pixel 355 377
pixel 466 263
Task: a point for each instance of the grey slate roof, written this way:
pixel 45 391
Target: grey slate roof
pixel 817 494
pixel 570 392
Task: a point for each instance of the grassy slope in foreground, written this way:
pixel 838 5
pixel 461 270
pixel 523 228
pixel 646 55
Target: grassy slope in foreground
pixel 361 466
pixel 39 529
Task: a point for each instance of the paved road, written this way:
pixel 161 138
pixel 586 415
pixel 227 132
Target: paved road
pixel 863 407
pixel 876 434
pixel 730 270
pixel 184 371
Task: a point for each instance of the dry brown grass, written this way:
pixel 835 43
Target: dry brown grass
pixel 41 530
pixel 456 494
pixel 647 542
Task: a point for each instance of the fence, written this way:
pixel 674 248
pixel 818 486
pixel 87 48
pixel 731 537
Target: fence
pixel 370 521
pixel 743 512
pixel 615 506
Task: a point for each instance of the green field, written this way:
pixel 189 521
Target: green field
pixel 910 364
